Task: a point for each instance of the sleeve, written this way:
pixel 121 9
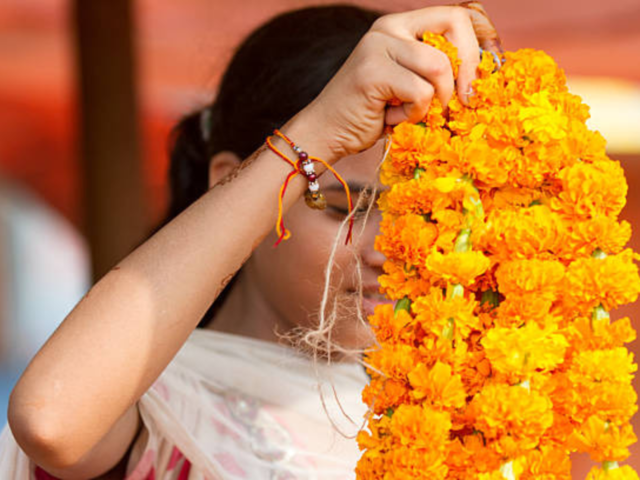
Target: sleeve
pixel 14 463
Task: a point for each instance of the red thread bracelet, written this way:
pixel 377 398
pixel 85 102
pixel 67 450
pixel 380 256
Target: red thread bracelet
pixel 313 197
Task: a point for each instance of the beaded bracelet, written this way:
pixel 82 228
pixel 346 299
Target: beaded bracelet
pixel 312 196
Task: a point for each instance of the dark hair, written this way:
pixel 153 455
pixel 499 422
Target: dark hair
pixel 277 71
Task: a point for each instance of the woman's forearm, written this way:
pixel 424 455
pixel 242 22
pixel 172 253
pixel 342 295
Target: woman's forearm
pixel 124 332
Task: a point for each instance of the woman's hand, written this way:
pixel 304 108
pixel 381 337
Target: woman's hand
pixel 392 62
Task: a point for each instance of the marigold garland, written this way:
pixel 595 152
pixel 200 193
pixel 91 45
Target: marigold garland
pixel 504 255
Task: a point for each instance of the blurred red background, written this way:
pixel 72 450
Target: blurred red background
pixel 181 49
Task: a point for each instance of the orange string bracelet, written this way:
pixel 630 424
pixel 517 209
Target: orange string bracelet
pixel 313 197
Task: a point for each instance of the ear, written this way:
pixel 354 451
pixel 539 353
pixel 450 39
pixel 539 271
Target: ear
pixel 222 164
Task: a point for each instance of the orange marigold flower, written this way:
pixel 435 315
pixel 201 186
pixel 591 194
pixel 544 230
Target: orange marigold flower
pixel 415 146
pixel 458 267
pixel 591 189
pixel 398 281
pixel 437 385
pixel 589 334
pixel 518 352
pixel 610 282
pixel 602 440
pixel 420 426
pixel 390 325
pixel 408 238
pixel 468 455
pixel 604 233
pixel 534 232
pixel 546 463
pixel 384 393
pixel 437 313
pixel 531 276
pixel 394 360
pixel 501 227
pixel 513 417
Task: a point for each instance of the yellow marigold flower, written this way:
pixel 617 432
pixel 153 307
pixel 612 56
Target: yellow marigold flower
pixel 575 108
pixel 514 418
pixel 529 71
pixel 618 473
pixel 610 282
pixel 602 440
pixel 541 121
pixel 531 276
pixel 591 189
pixel 437 385
pixel 612 365
pixel 458 267
pixel 521 351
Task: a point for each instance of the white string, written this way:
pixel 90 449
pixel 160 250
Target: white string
pixel 319 339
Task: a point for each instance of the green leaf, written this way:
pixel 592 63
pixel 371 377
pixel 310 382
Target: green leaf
pixel 402 304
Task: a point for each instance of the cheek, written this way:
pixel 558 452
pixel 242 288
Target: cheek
pixel 292 274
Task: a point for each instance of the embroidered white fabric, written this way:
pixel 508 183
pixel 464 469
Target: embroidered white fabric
pixel 231 407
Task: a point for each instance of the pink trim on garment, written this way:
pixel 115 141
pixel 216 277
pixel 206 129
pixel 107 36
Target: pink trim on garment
pixel 40 474
pixel 144 469
pixel 228 462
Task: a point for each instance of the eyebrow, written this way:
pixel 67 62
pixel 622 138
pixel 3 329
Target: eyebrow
pixel 353 187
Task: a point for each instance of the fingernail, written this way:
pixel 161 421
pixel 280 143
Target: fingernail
pixel 468 94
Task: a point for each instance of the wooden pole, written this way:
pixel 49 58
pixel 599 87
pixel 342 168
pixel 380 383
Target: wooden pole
pixel 113 187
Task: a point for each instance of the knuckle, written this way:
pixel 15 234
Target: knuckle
pixel 459 16
pixel 371 43
pixel 425 94
pixel 383 23
pixel 440 65
pixel 366 73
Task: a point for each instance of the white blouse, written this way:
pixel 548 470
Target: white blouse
pixel 231 407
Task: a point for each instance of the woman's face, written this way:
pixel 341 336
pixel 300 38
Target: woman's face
pixel 290 278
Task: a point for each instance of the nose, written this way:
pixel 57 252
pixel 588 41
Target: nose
pixel 370 256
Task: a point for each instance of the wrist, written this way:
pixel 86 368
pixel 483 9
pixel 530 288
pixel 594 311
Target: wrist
pixel 308 132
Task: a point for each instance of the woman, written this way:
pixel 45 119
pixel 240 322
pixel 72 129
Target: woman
pixel 234 403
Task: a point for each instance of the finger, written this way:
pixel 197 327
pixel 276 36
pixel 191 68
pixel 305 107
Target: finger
pixel 413 91
pixel 462 35
pixel 428 62
pixel 486 32
pixel 452 22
